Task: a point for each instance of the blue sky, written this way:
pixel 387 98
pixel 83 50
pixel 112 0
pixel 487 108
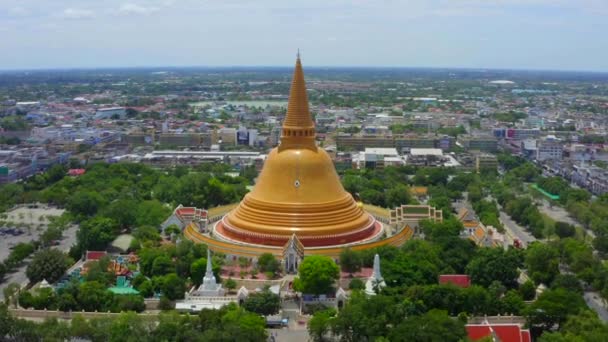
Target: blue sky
pixel 523 34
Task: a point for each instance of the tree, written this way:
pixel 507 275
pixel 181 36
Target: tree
pixel 512 303
pixel 268 263
pixel 542 261
pixel 122 211
pixel 162 265
pixel 553 307
pixel 21 251
pixel 238 324
pixel 49 264
pixel 366 318
pixel 264 303
pixel 527 290
pixel 564 230
pixel 130 302
pixel 96 233
pixel 66 302
pixel 397 196
pixel 129 326
pixel 350 261
pixel 492 264
pixel 7 322
pixel 151 213
pixel 50 234
pixel 320 324
pixel 585 326
pixel 569 282
pixel 230 284
pixel 172 286
pixel 356 284
pixel 85 203
pixel 98 271
pixel 11 293
pixel 434 325
pixel 318 274
pixel 94 296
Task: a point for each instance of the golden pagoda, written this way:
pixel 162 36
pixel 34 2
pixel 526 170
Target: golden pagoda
pixel 298 191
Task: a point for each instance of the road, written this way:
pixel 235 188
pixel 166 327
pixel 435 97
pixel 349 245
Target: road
pixel 515 229
pixel 594 301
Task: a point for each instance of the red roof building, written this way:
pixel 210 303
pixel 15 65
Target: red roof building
pixel 460 280
pixel 95 255
pixel 76 172
pixel 499 332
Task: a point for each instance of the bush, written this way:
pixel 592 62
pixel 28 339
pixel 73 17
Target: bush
pixel 230 284
pixel 132 302
pixel 356 284
pixel 165 303
pixel 268 263
pixel 527 290
pixel 564 230
pixel 264 303
pixel 21 251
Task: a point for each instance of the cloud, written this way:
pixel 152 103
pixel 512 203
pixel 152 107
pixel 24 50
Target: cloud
pixel 75 13
pixel 130 8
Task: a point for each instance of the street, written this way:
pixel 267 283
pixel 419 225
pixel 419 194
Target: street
pixel 594 301
pixel 515 229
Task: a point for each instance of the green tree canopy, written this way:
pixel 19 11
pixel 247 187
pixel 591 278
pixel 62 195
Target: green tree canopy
pixel 318 274
pixel 264 303
pixel 434 325
pixel 49 264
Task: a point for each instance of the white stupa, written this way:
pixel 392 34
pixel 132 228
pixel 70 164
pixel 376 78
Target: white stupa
pixel 375 281
pixel 210 286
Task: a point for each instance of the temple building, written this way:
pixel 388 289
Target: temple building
pixel 298 205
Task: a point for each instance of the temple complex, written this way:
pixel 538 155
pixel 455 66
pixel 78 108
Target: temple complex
pixel 298 205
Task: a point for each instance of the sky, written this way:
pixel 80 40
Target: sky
pixel 506 34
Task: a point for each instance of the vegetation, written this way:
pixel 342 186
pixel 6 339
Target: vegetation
pixel 229 323
pixel 264 303
pixel 317 275
pixel 269 264
pixel 49 264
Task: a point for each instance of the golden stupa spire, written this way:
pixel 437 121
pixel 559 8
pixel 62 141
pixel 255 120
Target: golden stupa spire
pixel 298 125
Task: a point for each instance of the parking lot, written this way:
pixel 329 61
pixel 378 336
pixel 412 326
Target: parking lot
pixel 30 216
pixel 24 224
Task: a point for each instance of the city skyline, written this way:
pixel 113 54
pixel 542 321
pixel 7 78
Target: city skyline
pixel 498 34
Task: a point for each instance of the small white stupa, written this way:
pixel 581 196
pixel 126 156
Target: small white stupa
pixel 375 281
pixel 210 286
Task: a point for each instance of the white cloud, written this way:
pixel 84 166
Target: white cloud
pixel 129 8
pixel 75 13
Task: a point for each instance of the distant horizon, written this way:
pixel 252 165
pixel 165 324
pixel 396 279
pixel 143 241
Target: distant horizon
pixel 261 66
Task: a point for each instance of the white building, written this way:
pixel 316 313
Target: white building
pixel 378 157
pixel 549 148
pixel 109 113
